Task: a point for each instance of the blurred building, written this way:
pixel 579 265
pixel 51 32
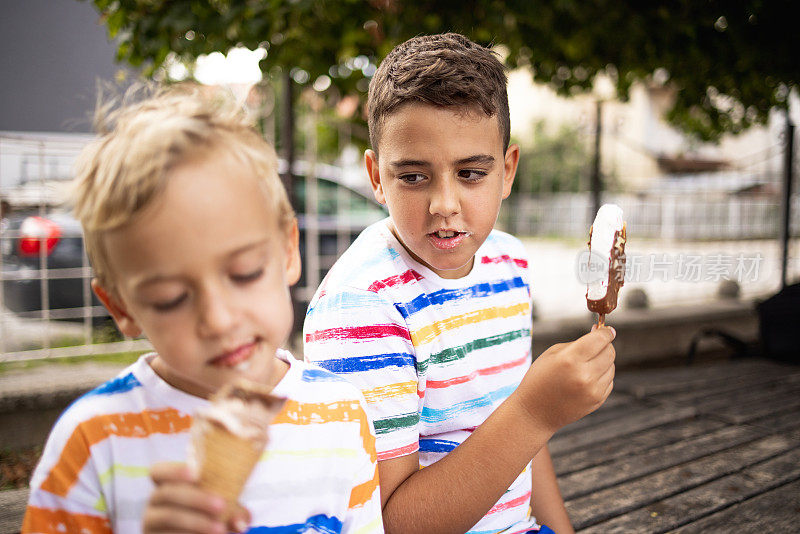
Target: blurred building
pixel 55 52
pixel 638 146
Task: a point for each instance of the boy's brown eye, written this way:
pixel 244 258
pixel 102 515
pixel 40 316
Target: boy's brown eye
pixel 412 178
pixel 469 174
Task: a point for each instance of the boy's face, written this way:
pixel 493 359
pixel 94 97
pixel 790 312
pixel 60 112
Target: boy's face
pixel 204 273
pixel 442 173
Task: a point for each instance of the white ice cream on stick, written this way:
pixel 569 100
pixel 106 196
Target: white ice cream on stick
pixel 606 261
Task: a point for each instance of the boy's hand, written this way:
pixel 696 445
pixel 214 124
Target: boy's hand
pixel 568 380
pixel 178 504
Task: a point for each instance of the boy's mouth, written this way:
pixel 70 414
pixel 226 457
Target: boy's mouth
pixel 238 358
pixel 446 239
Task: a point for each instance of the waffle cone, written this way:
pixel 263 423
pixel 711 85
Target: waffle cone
pixel 225 462
pixel 223 458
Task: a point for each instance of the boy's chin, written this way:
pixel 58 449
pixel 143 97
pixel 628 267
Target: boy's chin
pixel 263 368
pixel 452 270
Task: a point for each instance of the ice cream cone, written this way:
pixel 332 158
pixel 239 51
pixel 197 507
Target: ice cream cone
pixel 227 461
pixel 229 437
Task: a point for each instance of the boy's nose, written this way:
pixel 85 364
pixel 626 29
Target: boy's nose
pixel 445 201
pixel 216 315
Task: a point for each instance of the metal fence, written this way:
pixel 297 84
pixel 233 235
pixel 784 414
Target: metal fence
pixel 693 237
pixel 689 235
pixel 34 170
pixel 48 310
pixel 668 216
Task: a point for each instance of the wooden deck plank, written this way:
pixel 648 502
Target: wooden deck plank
pixel 691 505
pixel 730 388
pixel 640 493
pixel 624 469
pixel 758 408
pixel 787 423
pixel 624 425
pixel 710 399
pixel 777 510
pixel 631 444
pixel 653 382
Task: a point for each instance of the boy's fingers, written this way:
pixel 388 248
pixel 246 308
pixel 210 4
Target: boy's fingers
pixel 240 519
pixel 608 380
pixel 188 497
pixel 599 365
pixel 603 360
pixel 171 472
pixel 592 343
pixel 177 520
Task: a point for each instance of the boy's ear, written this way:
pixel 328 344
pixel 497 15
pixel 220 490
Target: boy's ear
pixel 371 163
pixel 293 263
pixel 125 322
pixel 510 168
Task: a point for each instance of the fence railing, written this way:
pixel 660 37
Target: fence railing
pixel 667 216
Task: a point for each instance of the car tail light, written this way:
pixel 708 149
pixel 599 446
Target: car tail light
pixel 37 230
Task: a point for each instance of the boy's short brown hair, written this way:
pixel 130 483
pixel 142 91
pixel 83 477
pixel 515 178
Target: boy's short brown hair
pixel 446 70
pixel 123 171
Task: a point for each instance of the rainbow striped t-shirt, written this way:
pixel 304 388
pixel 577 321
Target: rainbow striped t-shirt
pixel 318 473
pixel 433 357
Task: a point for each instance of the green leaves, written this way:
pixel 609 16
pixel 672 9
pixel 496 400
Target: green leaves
pixel 745 49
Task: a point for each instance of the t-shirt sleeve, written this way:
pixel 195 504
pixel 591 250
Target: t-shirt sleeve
pixel 66 494
pixel 362 337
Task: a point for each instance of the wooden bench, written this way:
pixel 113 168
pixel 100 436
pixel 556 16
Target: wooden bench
pixel 707 448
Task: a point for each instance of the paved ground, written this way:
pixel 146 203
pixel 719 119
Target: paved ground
pixel 39 384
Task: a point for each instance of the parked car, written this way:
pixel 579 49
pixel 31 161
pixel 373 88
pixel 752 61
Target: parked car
pixel 45 253
pixel 54 241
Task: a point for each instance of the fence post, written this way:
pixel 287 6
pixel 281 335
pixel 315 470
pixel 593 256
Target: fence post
pixel 787 198
pixel 596 179
pixel 668 208
pixel 287 134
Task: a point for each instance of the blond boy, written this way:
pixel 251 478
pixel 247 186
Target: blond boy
pixel 429 312
pixel 193 244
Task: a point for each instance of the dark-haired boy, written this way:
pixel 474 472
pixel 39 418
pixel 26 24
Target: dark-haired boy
pixel 429 312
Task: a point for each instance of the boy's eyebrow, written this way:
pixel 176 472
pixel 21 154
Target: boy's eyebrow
pixel 408 163
pixel 484 159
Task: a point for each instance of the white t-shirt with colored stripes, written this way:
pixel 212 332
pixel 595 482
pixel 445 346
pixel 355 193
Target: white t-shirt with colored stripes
pixel 317 474
pixel 433 357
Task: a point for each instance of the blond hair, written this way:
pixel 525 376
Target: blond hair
pixel 146 135
pixel 444 70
